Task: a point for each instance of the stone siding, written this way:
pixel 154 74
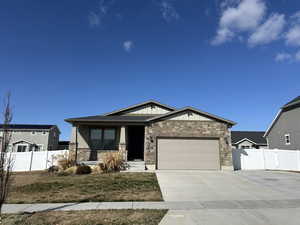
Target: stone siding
pixel 171 128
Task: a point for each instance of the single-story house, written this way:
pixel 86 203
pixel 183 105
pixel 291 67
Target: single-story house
pixel 248 139
pixel 162 136
pixel 284 131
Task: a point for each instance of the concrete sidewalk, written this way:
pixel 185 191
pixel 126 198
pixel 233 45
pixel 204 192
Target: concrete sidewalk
pixel 190 205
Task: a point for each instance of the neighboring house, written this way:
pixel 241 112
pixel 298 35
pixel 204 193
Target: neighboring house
pixel 32 137
pixel 284 132
pixel 63 145
pixel 163 136
pixel 248 139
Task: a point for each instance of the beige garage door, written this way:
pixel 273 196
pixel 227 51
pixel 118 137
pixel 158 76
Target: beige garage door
pixel 194 154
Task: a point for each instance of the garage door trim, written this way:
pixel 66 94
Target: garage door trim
pixel 190 138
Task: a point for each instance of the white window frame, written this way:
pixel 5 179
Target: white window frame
pixel 287 139
pixel 41 147
pixel 26 149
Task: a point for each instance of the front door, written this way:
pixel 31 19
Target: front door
pixel 135 140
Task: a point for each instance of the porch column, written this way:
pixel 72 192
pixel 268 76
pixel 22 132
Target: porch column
pixel 122 144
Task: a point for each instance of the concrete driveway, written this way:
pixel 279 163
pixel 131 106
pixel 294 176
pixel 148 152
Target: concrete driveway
pixel 235 198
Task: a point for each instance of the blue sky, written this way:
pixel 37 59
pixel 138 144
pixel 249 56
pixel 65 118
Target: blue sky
pixel 70 58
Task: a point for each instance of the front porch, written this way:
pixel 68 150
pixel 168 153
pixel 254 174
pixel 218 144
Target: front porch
pixel 90 141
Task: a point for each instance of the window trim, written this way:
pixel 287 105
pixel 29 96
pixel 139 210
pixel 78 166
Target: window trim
pixel 102 138
pixel 287 139
pixel 245 147
pixel 26 149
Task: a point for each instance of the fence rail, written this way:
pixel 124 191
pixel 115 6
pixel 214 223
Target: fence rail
pixel 266 159
pixel 31 161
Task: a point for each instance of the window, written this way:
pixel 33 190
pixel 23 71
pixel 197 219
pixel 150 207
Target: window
pixel 245 146
pixel 287 139
pixel 21 148
pixel 103 138
pixel 33 132
pixel 38 148
pixel 44 132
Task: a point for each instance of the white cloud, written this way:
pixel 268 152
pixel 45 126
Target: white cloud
pixel 128 45
pixel 296 17
pixel 96 17
pixel 239 16
pixel 297 56
pixel 168 11
pixel 269 31
pixel 293 36
pixel 281 57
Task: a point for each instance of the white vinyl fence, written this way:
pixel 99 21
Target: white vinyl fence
pixel 30 161
pixel 266 159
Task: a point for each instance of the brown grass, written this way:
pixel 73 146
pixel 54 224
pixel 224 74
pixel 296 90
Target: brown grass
pixel 95 217
pixel 40 187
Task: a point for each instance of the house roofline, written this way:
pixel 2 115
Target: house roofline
pixel 246 139
pixel 139 105
pixel 194 110
pixel 273 123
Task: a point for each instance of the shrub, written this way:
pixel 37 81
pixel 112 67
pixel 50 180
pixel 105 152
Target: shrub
pixel 65 160
pixel 83 169
pixel 53 169
pixel 96 169
pixel 113 162
pixel 71 170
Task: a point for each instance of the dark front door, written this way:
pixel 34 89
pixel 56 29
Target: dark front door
pixel 136 142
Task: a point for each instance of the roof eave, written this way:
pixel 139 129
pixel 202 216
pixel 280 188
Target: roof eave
pixel 138 105
pixel 231 123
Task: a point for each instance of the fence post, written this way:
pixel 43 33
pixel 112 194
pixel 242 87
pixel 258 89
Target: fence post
pixel 30 166
pixel 298 159
pixel 264 158
pixel 47 160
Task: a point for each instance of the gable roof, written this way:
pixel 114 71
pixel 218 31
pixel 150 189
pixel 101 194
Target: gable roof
pixel 292 103
pixel 19 141
pixel 186 109
pixel 28 126
pixel 110 119
pixel 284 108
pixel 139 105
pixel 256 137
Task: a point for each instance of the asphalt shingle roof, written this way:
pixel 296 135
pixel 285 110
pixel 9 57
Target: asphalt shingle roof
pixel 29 126
pixel 293 102
pixel 255 136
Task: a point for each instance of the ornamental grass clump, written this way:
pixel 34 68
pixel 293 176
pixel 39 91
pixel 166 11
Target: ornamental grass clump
pixel 113 162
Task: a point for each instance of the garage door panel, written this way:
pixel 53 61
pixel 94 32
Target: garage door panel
pixel 188 154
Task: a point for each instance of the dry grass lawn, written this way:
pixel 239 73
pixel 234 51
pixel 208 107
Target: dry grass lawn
pixel 99 217
pixel 40 187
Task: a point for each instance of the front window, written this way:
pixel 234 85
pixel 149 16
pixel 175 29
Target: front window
pixel 103 138
pixel 38 148
pixel 21 148
pixel 245 147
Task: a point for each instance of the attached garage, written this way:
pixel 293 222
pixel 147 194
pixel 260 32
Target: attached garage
pixel 188 153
